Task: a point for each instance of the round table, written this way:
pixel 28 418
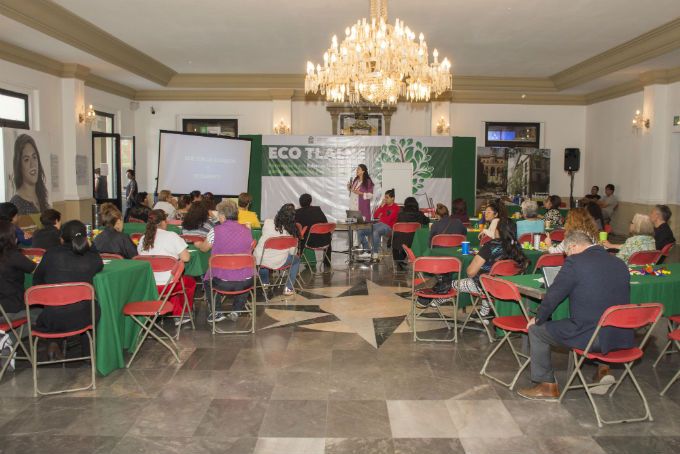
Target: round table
pixel 136 227
pixel 421 240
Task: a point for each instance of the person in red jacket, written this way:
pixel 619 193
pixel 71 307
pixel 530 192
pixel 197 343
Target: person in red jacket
pixel 386 214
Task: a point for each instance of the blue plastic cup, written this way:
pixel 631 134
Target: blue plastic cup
pixel 465 245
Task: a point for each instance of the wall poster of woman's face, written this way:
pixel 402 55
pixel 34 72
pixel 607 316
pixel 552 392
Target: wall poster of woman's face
pixel 27 169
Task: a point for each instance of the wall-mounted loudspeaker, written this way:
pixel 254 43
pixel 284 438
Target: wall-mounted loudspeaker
pixel 572 159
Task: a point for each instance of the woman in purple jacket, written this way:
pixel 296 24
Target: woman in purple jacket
pixel 360 195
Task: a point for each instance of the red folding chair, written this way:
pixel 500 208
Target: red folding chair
pixel 132 220
pixel 447 240
pixel 411 258
pixel 629 316
pixel 557 235
pixel 110 256
pixel 549 260
pixel 608 228
pixel 147 313
pixel 301 230
pixel 136 237
pixel 484 239
pixel 166 264
pixel 435 266
pixel 32 251
pixel 16 328
pixel 231 262
pixel 673 324
pixel 192 238
pixel 529 238
pixel 499 289
pixel 325 228
pixel 281 243
pixel 644 258
pixel 60 295
pixel 665 252
pixel 499 268
pixel 407 228
pixel 673 336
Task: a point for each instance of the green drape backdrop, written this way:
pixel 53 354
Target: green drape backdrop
pixel 462 182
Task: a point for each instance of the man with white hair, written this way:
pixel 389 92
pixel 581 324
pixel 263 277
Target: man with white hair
pixel 531 222
pixel 593 280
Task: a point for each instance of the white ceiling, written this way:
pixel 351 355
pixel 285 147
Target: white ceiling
pixel 482 37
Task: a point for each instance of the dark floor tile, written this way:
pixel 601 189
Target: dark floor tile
pixel 363 418
pixel 295 418
pixel 170 417
pixel 56 444
pixel 636 444
pixel 293 385
pixel 536 419
pixel 210 359
pixel 106 417
pixel 133 444
pixel 428 445
pixel 359 445
pixel 229 418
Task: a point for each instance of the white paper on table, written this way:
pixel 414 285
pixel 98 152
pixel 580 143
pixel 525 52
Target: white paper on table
pixel 540 279
pixel 162 277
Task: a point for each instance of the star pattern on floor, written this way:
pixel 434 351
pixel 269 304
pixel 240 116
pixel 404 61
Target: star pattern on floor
pixel 372 311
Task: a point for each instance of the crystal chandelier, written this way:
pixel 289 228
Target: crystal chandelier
pixel 377 63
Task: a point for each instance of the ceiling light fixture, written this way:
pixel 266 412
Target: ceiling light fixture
pixel 378 63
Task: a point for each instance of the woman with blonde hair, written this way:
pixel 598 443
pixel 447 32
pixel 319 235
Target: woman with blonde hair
pixel 641 238
pixel 167 203
pixel 578 220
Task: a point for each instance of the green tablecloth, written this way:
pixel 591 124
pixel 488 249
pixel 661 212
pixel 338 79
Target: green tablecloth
pixel 135 227
pixel 421 241
pixel 512 209
pixel 119 283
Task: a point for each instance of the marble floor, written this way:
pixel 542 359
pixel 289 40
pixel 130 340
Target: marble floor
pixel 332 370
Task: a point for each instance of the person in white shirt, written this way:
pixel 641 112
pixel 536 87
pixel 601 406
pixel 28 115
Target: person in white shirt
pixel 609 202
pixel 166 203
pixel 283 224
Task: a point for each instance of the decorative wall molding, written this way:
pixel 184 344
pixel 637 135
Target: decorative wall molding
pixel 110 86
pixel 289 81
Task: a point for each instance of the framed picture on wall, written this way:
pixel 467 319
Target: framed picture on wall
pixel 504 134
pixel 219 126
pixel 360 124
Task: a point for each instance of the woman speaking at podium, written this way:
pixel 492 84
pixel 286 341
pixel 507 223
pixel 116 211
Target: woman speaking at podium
pixel 361 192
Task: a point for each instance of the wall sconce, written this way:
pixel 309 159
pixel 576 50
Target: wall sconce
pixel 282 128
pixel 442 126
pixel 87 116
pixel 639 121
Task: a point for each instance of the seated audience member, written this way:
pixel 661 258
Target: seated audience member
pixel 140 208
pixel 167 203
pixel 491 215
pixel 593 280
pixel 596 213
pixel 503 246
pixel 459 210
pixel 73 261
pixel 641 238
pixel 197 220
pixel 609 202
pixel 530 223
pixel 13 268
pixel 229 237
pixel 244 215
pixel 663 234
pixel 283 224
pixel 183 203
pixel 552 212
pixel 386 214
pixel 112 240
pixel 49 236
pixel 578 219
pixel 308 215
pixel 9 212
pixel 157 240
pixel 446 224
pixel 410 213
pixel 195 196
pixel 593 196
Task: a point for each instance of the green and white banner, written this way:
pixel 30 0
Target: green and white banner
pixel 322 166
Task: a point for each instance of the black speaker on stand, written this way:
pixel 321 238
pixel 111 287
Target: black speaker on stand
pixel 572 162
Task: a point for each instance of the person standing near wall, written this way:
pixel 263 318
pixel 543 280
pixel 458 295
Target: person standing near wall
pixel 130 190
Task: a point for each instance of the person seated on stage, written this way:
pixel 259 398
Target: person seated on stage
pixel 197 220
pixel 244 215
pixel 580 220
pixel 386 214
pixel 157 240
pixel 112 240
pixel 530 223
pixel 308 215
pixel 229 237
pixel 446 224
pixel 9 212
pixel 609 202
pixel 183 204
pixel 140 208
pixel 49 236
pixel 73 261
pixel 13 269
pixel 663 234
pixel 167 203
pixel 596 213
pixel 459 210
pixel 283 224
pixel 195 196
pixel 502 247
pixel 553 217
pixel 641 238
pixel 593 280
pixel 410 213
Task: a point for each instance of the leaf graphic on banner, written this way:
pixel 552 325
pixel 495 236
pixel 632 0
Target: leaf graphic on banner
pixel 405 150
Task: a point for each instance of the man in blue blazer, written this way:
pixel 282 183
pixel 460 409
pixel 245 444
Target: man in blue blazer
pixel 593 280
